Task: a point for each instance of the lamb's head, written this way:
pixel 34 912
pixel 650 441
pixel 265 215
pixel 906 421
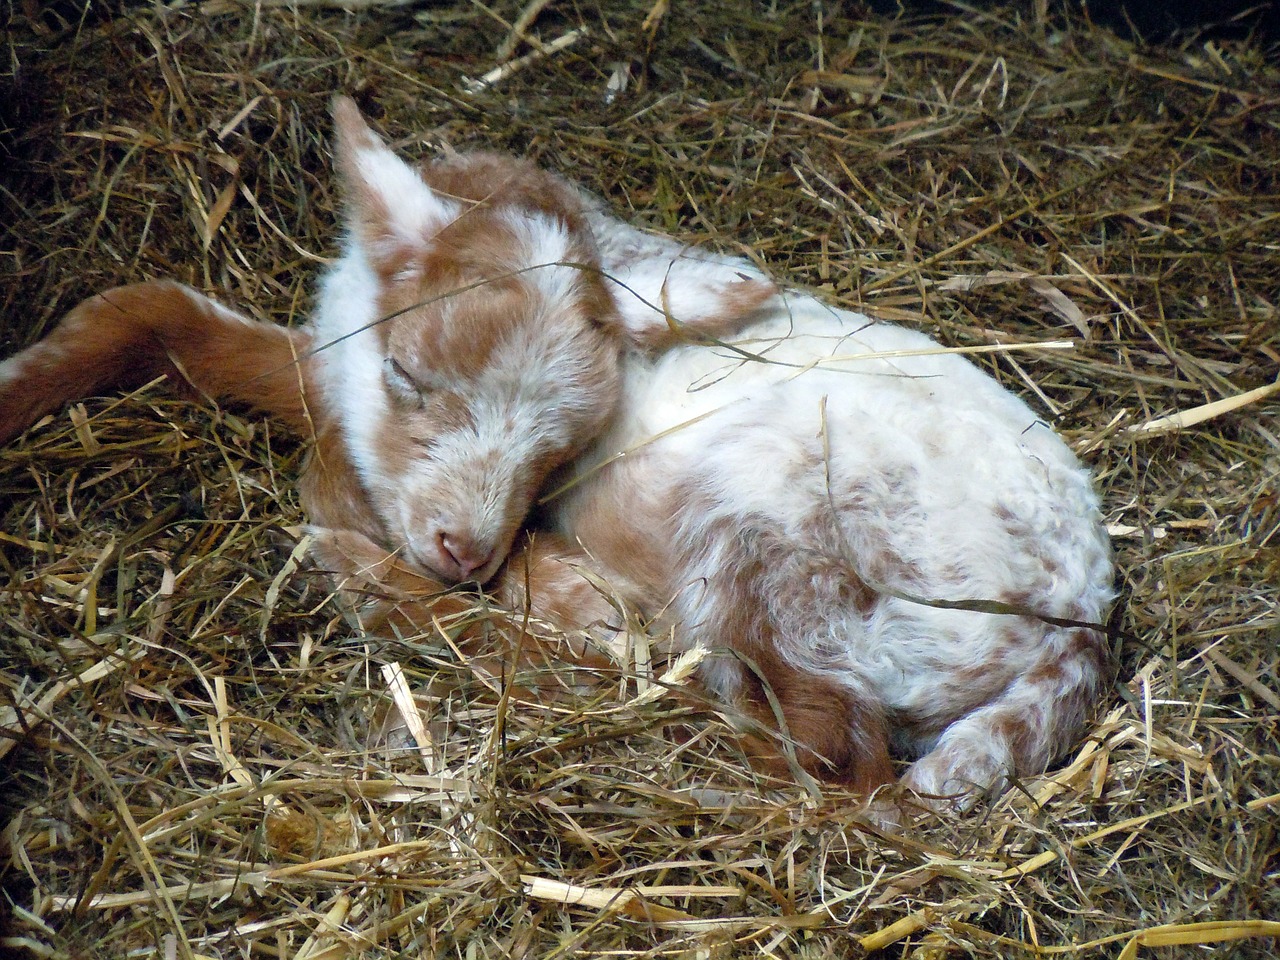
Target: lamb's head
pixel 474 347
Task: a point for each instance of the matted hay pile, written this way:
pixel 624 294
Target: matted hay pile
pixel 196 751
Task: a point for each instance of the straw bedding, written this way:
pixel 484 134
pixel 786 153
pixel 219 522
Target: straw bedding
pixel 202 758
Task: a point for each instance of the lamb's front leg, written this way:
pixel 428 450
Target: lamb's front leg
pixel 542 602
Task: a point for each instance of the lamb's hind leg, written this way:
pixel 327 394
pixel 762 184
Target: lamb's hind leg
pixel 130 335
pixel 837 736
pixel 1023 730
pixel 769 606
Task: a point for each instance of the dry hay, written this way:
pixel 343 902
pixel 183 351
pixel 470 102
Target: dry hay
pixel 197 761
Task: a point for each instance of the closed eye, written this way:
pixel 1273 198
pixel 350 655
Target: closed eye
pixel 402 384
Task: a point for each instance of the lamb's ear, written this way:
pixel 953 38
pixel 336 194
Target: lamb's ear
pixel 390 210
pixel 687 301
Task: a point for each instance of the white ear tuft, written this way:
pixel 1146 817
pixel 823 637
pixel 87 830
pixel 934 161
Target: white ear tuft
pixel 391 211
pixel 668 294
pixel 664 302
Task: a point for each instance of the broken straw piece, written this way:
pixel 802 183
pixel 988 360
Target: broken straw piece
pixel 503 71
pixel 1188 418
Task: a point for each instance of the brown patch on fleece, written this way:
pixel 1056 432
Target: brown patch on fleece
pixel 491 179
pixel 457 333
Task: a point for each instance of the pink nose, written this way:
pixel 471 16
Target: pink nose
pixel 465 555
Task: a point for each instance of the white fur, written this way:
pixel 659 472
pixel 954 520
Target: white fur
pixel 351 358
pixel 12 370
pixel 543 245
pixel 653 276
pixel 415 212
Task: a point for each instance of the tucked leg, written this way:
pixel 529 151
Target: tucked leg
pixel 539 588
pixel 775 612
pixel 836 736
pixel 1019 733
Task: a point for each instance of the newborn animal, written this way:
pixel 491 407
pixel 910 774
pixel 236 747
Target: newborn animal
pixel 884 550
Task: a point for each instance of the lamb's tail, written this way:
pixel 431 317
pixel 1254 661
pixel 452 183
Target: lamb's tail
pixel 130 335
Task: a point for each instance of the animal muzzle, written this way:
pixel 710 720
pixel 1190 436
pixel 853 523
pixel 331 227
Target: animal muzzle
pixel 456 552
pixel 462 555
pixel 460 525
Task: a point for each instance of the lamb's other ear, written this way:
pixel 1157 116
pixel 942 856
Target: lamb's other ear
pixel 390 210
pixel 688 301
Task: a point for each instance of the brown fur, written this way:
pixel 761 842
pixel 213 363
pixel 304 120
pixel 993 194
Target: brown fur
pixel 131 335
